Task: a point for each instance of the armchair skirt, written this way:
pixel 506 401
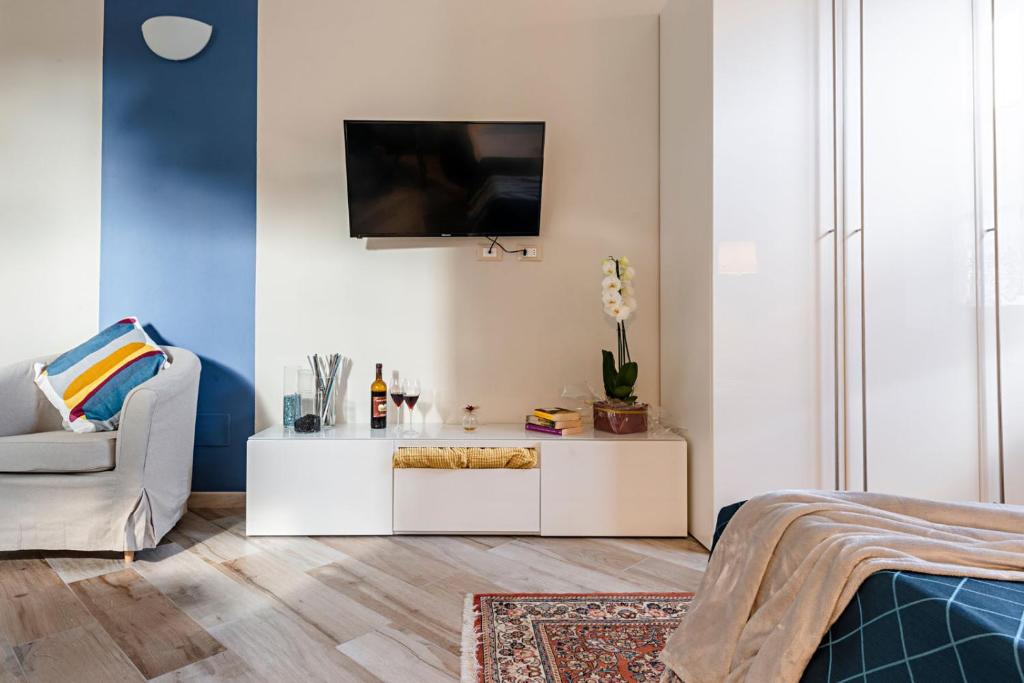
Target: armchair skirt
pixel 126 507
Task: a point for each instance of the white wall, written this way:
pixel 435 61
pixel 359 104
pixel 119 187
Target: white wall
pixel 687 250
pixel 504 335
pixel 50 100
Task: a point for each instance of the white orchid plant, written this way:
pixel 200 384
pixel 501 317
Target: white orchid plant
pixel 619 303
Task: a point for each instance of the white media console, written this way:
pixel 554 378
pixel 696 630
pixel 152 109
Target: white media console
pixel 340 482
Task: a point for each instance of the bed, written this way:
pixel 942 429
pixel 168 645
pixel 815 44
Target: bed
pixel 906 626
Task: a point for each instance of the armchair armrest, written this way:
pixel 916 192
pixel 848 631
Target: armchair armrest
pixel 23 407
pixel 157 433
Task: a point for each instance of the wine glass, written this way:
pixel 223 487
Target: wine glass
pixel 411 392
pixel 398 397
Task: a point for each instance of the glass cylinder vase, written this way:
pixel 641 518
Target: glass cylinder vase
pixel 307 392
pixel 329 413
pixel 292 400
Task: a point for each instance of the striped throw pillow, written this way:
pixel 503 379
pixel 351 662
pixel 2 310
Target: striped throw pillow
pixel 89 383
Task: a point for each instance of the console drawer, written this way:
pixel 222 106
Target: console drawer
pixel 492 501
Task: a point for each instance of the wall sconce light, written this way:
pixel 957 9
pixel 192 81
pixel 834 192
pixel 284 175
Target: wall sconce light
pixel 737 258
pixel 176 38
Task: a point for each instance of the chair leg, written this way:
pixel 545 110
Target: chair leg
pixel 129 556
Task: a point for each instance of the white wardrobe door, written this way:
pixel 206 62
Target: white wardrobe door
pixel 921 329
pixel 1009 91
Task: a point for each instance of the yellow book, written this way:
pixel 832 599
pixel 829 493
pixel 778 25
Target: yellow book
pixel 561 424
pixel 557 414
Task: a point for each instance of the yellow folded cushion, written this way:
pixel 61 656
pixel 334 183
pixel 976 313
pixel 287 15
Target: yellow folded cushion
pixel 461 457
pixel 429 458
pixel 505 458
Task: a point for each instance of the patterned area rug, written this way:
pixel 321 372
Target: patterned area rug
pixel 585 638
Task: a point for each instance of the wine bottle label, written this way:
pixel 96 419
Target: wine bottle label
pixel 379 405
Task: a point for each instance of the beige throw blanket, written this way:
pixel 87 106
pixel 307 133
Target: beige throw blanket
pixel 791 561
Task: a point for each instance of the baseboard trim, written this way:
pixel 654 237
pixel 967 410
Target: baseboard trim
pixel 217 499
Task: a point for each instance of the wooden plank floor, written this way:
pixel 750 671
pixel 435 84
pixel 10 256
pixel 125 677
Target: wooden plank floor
pixel 210 604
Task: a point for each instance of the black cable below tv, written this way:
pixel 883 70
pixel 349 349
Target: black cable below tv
pixel 444 178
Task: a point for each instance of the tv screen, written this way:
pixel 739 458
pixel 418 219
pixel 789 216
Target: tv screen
pixel 425 179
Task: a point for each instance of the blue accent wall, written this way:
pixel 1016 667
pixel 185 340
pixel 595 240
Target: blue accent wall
pixel 178 240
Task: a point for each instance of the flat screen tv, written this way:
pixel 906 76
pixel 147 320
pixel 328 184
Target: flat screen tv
pixel 444 178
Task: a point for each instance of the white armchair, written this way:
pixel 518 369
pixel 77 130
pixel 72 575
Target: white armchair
pixel 120 490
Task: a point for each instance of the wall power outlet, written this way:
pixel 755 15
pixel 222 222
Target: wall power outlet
pixel 486 252
pixel 529 252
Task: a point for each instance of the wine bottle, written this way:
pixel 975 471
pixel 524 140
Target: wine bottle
pixel 379 401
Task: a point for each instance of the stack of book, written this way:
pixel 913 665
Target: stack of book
pixel 560 421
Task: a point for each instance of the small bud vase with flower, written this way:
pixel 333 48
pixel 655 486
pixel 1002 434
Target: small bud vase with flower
pixel 469 418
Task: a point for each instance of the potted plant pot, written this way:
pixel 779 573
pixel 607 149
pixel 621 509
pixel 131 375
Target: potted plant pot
pixel 621 418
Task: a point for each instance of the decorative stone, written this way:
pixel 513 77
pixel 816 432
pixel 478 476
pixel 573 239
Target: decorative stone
pixel 308 423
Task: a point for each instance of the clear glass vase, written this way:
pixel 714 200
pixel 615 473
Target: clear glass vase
pixel 330 414
pixel 307 392
pixel 292 399
pixel 469 419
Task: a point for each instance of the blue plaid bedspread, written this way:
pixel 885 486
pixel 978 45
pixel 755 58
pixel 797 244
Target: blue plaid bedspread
pixel 919 628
